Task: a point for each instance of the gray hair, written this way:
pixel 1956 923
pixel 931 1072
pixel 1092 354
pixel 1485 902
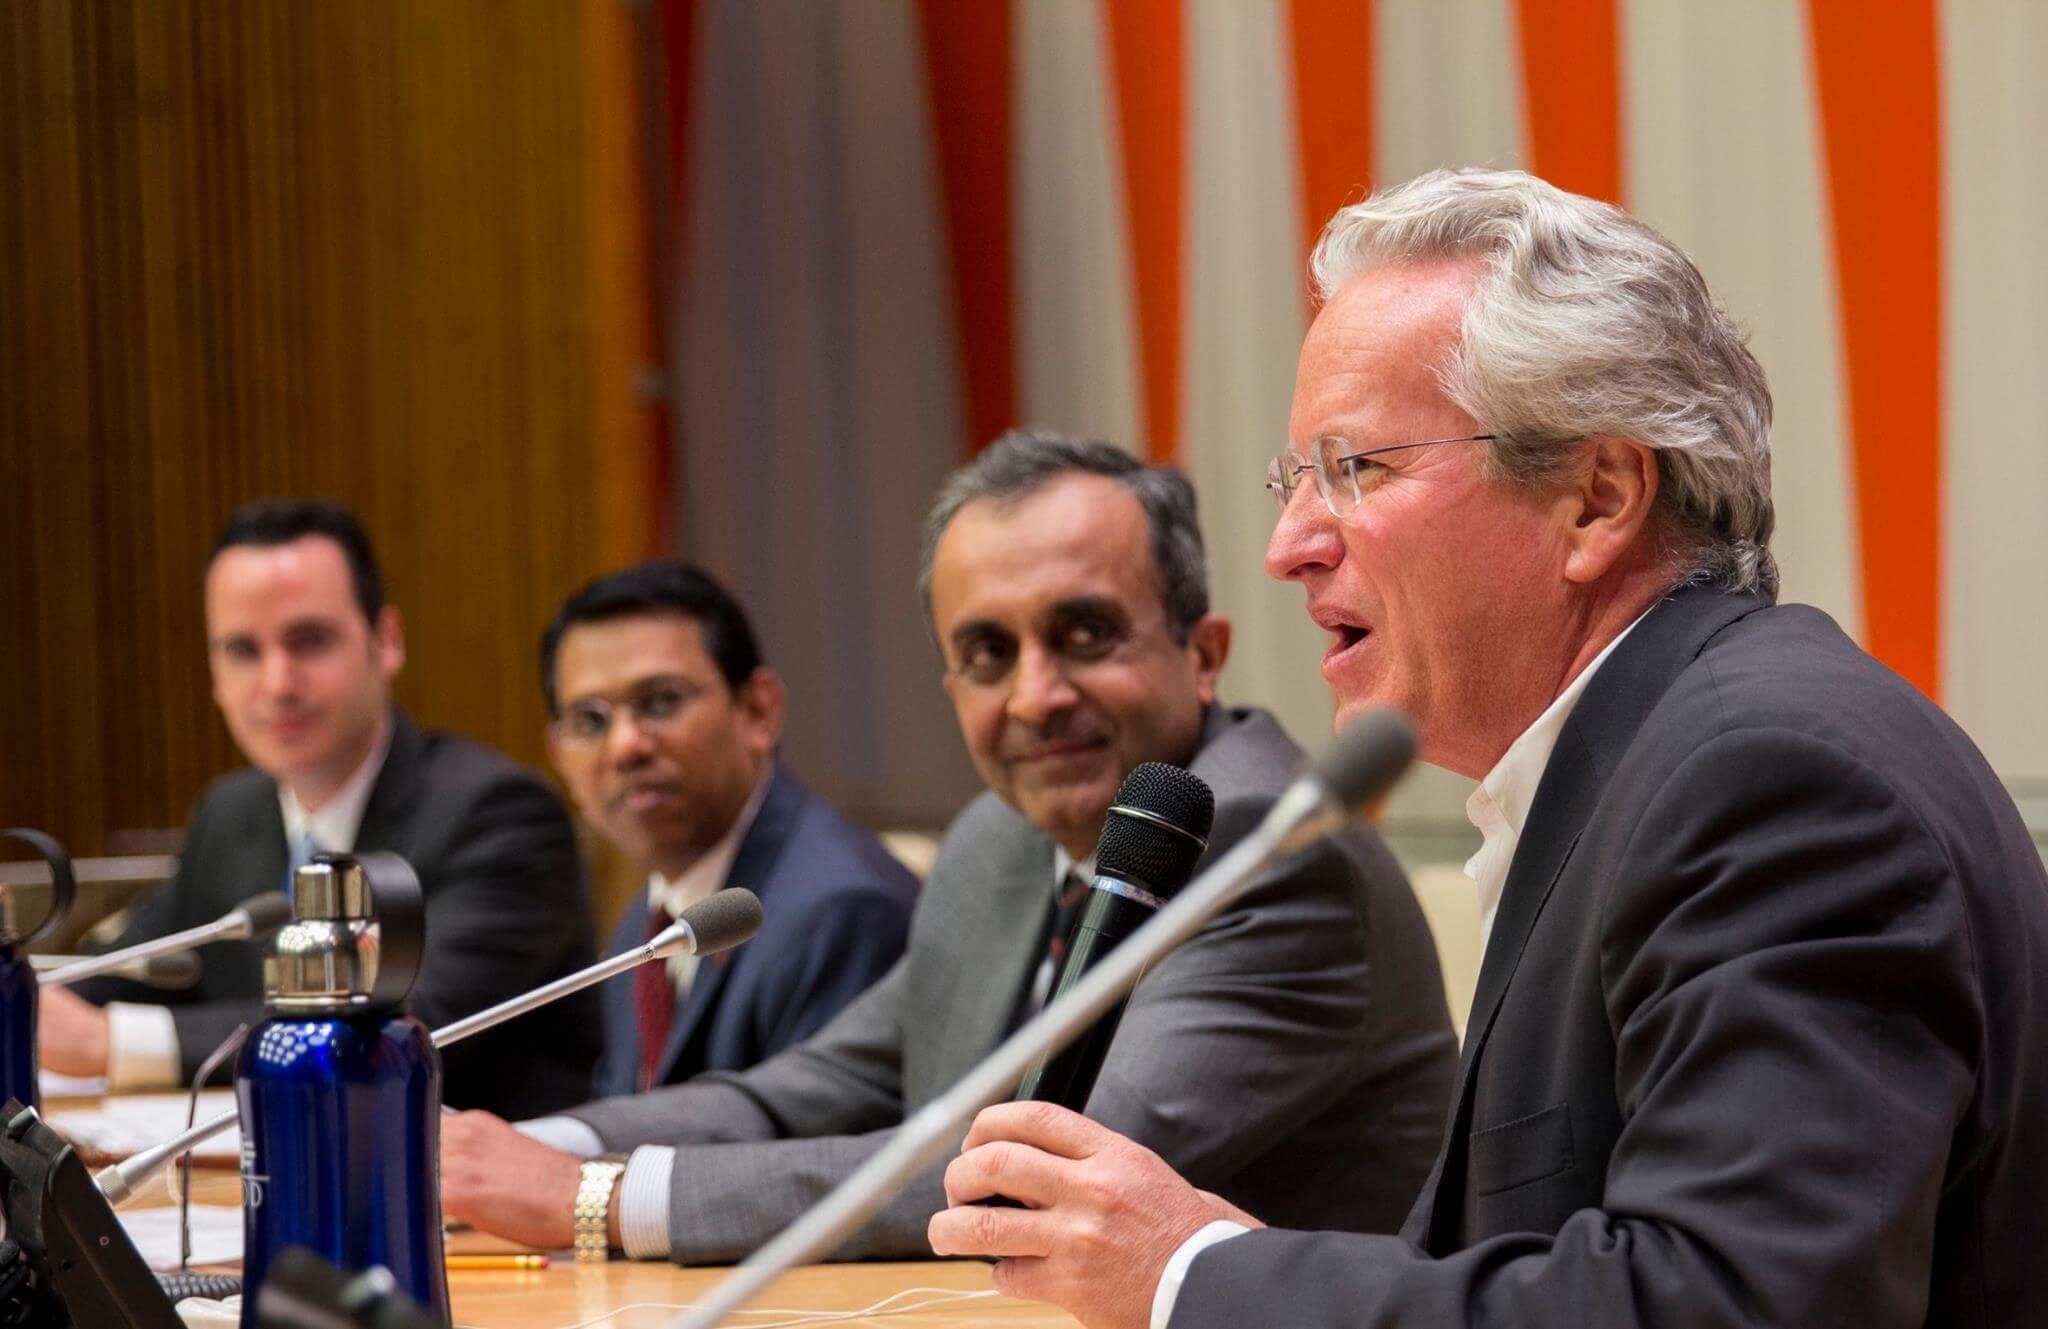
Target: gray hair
pixel 1023 460
pixel 1585 321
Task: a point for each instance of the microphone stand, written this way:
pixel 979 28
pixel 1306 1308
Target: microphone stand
pixel 1302 813
pixel 234 926
pixel 118 1181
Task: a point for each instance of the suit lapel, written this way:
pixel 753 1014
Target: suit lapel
pixel 753 866
pixel 1596 734
pixel 396 793
pixel 265 859
pixel 995 964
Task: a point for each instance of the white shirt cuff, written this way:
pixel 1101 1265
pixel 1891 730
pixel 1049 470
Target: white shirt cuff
pixel 566 1134
pixel 142 1047
pixel 1176 1271
pixel 643 1202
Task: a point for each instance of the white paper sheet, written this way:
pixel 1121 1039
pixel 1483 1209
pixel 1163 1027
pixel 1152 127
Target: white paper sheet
pixel 127 1125
pixel 216 1234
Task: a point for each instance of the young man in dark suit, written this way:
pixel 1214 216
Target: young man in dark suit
pixel 1759 1027
pixel 664 721
pixel 303 651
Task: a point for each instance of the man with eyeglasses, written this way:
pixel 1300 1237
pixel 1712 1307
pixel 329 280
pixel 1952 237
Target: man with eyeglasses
pixel 1759 1032
pixel 1295 1055
pixel 303 650
pixel 664 722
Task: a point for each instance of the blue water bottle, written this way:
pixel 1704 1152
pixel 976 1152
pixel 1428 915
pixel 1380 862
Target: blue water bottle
pixel 340 1090
pixel 18 977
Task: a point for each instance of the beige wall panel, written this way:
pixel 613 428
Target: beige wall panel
pixel 1245 320
pixel 1995 500
pixel 1723 155
pixel 1077 343
pixel 1448 88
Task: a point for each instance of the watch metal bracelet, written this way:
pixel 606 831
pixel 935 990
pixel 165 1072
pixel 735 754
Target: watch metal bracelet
pixel 594 1208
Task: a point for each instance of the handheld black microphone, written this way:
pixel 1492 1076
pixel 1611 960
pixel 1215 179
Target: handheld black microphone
pixel 1154 833
pixel 252 920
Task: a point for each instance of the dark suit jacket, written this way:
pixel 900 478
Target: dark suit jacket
pixel 507 910
pixel 836 910
pixel 1295 1055
pixel 1761 1035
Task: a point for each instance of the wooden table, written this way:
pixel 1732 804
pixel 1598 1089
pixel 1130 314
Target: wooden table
pixel 570 1294
pixel 566 1293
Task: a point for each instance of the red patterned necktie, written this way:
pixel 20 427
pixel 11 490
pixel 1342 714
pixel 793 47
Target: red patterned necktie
pixel 654 1002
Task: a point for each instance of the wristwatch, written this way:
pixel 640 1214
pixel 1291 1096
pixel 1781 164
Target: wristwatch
pixel 594 1207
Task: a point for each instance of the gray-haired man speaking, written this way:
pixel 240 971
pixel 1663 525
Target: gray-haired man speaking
pixel 1759 1026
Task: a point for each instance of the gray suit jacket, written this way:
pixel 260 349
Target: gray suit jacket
pixel 1759 1037
pixel 1295 1056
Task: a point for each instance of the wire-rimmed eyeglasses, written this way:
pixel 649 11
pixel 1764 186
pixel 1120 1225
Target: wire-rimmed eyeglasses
pixel 1338 473
pixel 654 703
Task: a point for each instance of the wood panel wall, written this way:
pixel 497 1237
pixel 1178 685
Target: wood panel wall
pixel 385 252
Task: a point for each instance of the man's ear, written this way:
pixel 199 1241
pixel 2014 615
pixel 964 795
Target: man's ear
pixel 389 632
pixel 761 700
pixel 1208 647
pixel 1608 504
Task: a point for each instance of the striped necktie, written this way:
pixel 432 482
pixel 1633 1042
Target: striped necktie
pixel 1066 911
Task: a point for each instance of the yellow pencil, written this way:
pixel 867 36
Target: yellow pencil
pixel 497 1262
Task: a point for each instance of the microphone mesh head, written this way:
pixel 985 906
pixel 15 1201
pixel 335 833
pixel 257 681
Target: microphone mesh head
pixel 1139 850
pixel 267 913
pixel 1367 757
pixel 722 921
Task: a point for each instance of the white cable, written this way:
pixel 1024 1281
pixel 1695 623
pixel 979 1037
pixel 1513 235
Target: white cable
pixel 938 1296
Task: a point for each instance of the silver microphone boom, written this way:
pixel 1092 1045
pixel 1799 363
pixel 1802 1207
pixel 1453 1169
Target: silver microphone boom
pixel 175 971
pixel 252 920
pixel 716 923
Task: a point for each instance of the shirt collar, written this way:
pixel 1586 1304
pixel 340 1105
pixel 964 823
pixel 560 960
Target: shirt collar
pixel 1499 807
pixel 1063 863
pixel 707 875
pixel 333 828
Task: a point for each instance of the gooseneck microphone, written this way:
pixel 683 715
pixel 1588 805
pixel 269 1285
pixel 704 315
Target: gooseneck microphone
pixel 1154 833
pixel 173 972
pixel 252 920
pixel 1361 765
pixel 716 923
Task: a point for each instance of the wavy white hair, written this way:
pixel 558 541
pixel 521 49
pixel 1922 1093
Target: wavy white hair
pixel 1585 321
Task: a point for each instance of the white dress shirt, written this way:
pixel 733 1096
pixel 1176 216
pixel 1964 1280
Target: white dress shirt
pixel 1498 810
pixel 644 1189
pixel 142 1039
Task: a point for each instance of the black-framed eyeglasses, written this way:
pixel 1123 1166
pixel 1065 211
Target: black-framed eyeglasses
pixel 1339 474
pixel 654 704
